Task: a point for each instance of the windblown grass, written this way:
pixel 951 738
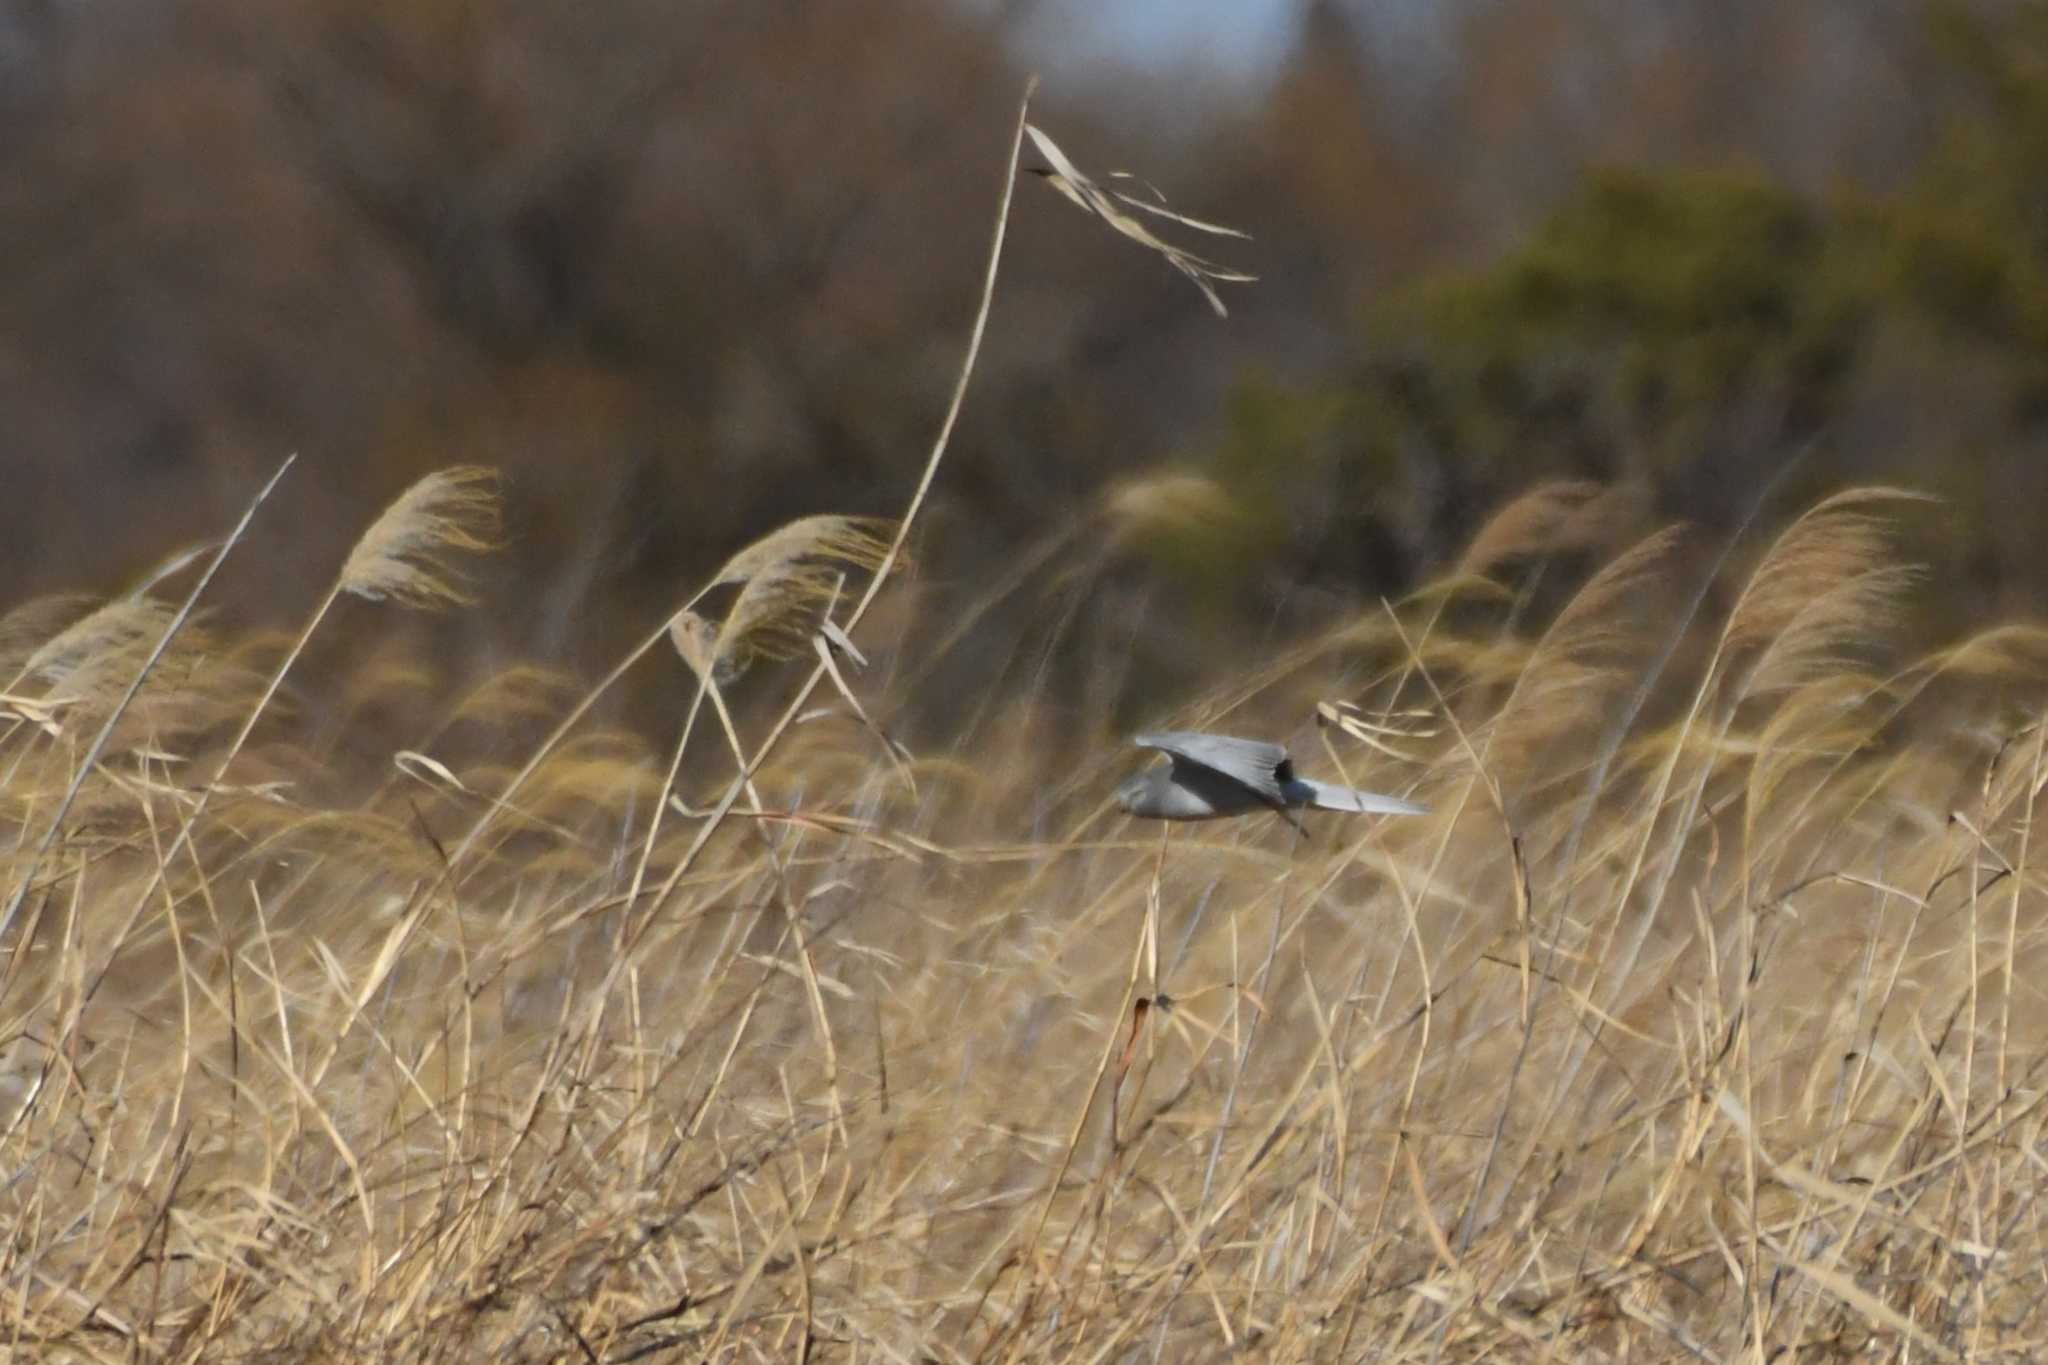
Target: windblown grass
pixel 1720 1046
pixel 1696 1022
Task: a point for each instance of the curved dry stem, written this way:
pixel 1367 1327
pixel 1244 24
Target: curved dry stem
pixel 99 742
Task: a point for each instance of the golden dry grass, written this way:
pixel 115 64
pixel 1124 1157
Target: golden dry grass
pixel 1698 1020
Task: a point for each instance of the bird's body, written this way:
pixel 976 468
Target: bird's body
pixel 1215 776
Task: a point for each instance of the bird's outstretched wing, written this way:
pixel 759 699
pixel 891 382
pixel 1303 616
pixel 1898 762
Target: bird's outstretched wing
pixel 1251 763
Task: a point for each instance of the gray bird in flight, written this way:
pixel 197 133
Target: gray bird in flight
pixel 1212 776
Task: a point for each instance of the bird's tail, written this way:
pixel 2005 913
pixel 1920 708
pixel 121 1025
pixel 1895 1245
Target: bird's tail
pixel 1332 796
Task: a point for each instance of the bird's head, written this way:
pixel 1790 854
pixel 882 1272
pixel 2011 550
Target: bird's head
pixel 1132 791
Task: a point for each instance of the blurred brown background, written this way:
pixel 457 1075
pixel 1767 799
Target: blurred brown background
pixel 686 271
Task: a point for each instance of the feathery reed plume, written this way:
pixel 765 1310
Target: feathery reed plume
pixel 1587 625
pixel 1571 674
pixel 403 557
pixel 88 645
pixel 83 674
pixel 1535 523
pixel 1825 582
pixel 32 625
pixel 1065 177
pixel 2003 651
pixel 99 743
pixel 1595 624
pixel 783 578
pixel 1166 503
pixel 1818 725
pixel 400 557
pixel 522 690
pixel 786 578
pixel 1833 630
pixel 1834 540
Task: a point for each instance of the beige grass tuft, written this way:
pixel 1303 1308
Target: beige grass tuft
pixel 32 625
pixel 1171 503
pixel 975 1069
pixel 405 554
pixel 1547 518
pixel 97 645
pixel 786 579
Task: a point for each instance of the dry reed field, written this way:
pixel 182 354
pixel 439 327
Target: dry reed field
pixel 1697 1020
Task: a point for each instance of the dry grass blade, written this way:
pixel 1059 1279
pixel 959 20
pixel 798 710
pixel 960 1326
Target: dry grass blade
pixel 1374 731
pixel 840 643
pixel 36 711
pixel 403 557
pixel 1072 184
pixel 1409 723
pixel 1156 206
pixel 827 658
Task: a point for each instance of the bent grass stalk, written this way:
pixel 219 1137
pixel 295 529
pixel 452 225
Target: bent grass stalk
pixel 99 743
pixel 399 557
pixel 896 544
